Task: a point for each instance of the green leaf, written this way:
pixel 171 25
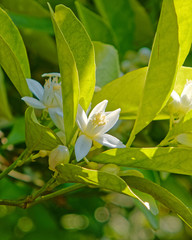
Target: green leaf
pixel 150 215
pixel 163 196
pixel 38 137
pixel 120 19
pixel 96 27
pixel 69 77
pixel 42 24
pixel 5 112
pixel 169 159
pixel 82 50
pixel 107 63
pixel 13 56
pixel 170 48
pixel 76 174
pixel 124 92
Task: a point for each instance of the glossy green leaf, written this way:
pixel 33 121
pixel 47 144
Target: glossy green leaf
pixel 42 24
pixel 5 112
pixel 151 216
pixel 163 196
pixel 69 77
pixel 96 27
pixel 37 136
pixel 13 56
pixel 124 92
pixel 76 174
pixel 169 159
pixel 170 48
pixel 120 18
pixel 82 50
pixel 107 63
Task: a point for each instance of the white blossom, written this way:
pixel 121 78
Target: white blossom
pixel 182 104
pixel 185 139
pixel 94 128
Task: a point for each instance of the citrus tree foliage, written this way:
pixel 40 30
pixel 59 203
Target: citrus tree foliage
pixel 86 91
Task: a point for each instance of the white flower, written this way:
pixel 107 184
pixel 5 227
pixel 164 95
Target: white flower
pixel 94 128
pixel 48 97
pixel 57 156
pixel 182 104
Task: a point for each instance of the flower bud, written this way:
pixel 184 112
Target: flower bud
pixel 58 155
pixel 110 168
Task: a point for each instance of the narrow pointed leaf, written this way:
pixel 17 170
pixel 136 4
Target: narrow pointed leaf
pixel 13 56
pixel 162 195
pixel 76 174
pixel 69 77
pixel 37 136
pixel 82 50
pixel 170 159
pixel 170 48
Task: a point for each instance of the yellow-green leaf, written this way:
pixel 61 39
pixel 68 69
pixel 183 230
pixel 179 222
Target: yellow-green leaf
pixel 82 50
pixel 69 76
pixel 37 136
pixel 13 56
pixel 169 159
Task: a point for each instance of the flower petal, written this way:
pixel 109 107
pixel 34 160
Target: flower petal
pixel 100 107
pixel 81 118
pixel 175 96
pixel 33 102
pixel 82 147
pixel 36 88
pixel 111 119
pixel 54 74
pixel 186 95
pixel 109 141
pixel 56 115
pixel 185 139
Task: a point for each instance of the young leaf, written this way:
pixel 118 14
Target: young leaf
pixel 37 136
pixel 75 174
pixel 69 78
pixel 171 46
pixel 82 50
pixel 163 196
pixel 107 63
pixel 174 160
pixel 13 56
pixel 96 27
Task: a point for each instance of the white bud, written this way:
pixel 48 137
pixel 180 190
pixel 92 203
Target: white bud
pixel 58 155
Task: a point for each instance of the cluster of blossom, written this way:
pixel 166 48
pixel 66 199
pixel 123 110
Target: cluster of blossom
pixel 179 107
pixel 92 127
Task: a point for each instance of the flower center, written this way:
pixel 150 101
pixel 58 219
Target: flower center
pixel 98 119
